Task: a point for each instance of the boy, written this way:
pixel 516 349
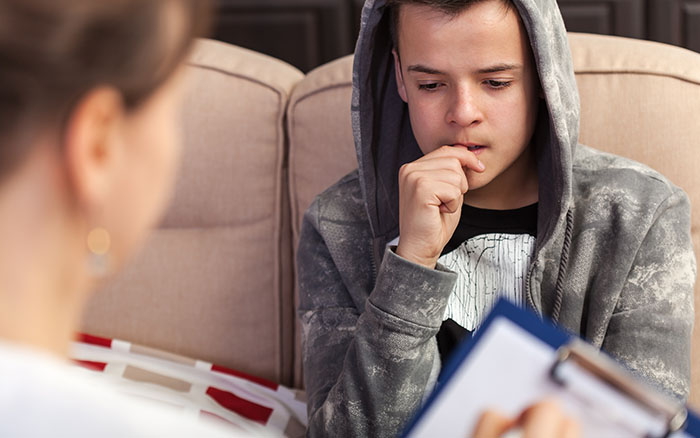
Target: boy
pixel 471 186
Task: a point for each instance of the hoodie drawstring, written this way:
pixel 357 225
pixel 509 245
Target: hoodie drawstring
pixel 563 266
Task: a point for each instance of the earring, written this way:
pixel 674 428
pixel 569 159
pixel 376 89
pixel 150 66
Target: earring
pixel 98 243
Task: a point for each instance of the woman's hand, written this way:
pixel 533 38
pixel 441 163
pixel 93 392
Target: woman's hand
pixel 544 419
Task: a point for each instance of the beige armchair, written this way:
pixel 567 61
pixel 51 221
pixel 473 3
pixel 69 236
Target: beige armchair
pixel 215 281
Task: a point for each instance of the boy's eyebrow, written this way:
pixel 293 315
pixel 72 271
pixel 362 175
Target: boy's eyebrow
pixel 499 68
pixel 419 68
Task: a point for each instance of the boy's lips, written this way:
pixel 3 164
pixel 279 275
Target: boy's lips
pixel 473 147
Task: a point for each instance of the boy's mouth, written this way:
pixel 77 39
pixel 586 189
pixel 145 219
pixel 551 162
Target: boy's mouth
pixel 476 148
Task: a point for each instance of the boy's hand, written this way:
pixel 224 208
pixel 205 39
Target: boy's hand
pixel 431 193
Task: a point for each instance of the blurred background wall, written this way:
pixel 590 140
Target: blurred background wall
pixel 308 33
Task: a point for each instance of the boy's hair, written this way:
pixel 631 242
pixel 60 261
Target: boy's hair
pixel 53 52
pixel 449 7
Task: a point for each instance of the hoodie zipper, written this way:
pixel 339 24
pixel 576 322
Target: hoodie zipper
pixel 373 260
pixel 373 263
pixel 563 269
pixel 528 294
pixel 563 266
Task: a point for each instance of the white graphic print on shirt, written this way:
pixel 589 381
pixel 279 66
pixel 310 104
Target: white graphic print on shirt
pixel 489 266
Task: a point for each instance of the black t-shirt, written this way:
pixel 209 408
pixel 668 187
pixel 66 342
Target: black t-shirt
pixel 475 222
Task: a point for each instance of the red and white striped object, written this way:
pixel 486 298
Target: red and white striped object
pixel 194 387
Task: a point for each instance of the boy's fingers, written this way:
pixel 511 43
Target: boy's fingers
pixel 447 195
pixel 437 162
pixel 466 157
pixel 420 174
pixel 451 206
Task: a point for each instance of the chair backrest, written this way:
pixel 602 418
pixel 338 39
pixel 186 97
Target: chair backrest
pixel 215 280
pixel 639 99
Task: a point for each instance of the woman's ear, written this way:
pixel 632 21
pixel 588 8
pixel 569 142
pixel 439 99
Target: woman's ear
pixel 91 144
pixel 401 87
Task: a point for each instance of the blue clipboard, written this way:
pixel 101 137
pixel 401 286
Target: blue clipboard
pixel 676 420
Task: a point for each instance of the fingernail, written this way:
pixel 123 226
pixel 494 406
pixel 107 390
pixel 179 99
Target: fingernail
pixel 481 165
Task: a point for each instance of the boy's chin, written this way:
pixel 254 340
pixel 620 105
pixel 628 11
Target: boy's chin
pixel 477 181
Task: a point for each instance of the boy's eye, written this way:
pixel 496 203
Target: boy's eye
pixel 429 87
pixel 497 84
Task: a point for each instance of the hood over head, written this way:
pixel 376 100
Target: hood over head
pixel 384 140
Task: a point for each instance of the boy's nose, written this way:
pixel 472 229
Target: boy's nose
pixel 464 109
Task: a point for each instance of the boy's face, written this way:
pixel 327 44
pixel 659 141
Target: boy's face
pixel 470 79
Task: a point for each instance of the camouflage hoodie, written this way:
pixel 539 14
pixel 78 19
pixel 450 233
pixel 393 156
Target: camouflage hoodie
pixel 613 260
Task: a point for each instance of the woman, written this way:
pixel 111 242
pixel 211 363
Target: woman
pixel 89 97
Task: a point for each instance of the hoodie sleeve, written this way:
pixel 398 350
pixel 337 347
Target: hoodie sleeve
pixel 651 327
pixel 366 370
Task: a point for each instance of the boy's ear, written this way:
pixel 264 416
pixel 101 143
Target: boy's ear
pixel 91 144
pixel 400 85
